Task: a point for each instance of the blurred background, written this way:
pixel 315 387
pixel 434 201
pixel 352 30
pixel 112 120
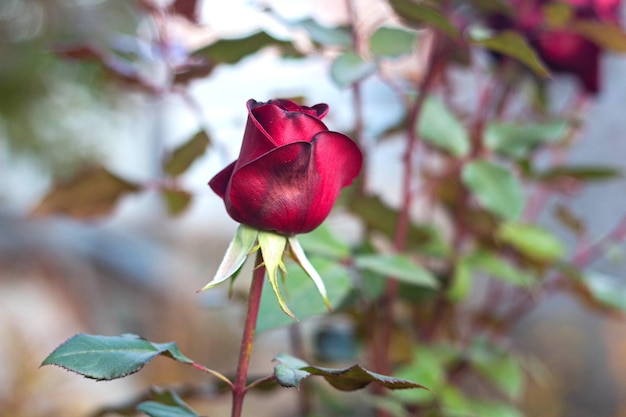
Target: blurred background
pixel 88 90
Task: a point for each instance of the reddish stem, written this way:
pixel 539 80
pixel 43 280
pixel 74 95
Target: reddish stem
pixel 247 341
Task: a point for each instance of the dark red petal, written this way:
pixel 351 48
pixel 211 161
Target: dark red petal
pixel 219 183
pixel 282 126
pixel 292 189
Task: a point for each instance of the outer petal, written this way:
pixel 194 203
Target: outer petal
pixel 292 189
pixel 219 183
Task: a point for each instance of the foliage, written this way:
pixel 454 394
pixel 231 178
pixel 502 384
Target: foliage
pixel 451 290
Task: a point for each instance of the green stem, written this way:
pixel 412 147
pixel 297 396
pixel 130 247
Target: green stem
pixel 247 341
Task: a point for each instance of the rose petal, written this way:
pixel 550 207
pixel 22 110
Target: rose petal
pixel 292 189
pixel 219 183
pixel 282 126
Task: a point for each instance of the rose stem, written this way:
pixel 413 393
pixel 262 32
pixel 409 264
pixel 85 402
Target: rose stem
pixel 247 341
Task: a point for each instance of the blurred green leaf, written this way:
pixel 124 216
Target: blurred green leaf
pixel 421 14
pixel 348 379
pixel 609 36
pixel 377 216
pixel 495 187
pixel 517 140
pixel 349 68
pixel 302 295
pixel 231 51
pixel 176 201
pixel 580 172
pixel 93 192
pixel 399 267
pixel 183 156
pixel 500 367
pixel 109 357
pixel 498 267
pixel 457 404
pixel 324 35
pixel 169 404
pixel 512 44
pixel 439 127
pixel 429 367
pixel 322 241
pixel 557 14
pixel 532 241
pixel 392 42
pixel 607 290
pixel 461 281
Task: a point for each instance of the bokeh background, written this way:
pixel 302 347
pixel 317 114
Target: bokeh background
pixel 136 270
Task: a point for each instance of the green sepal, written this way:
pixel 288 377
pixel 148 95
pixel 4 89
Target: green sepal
pixel 236 254
pixel 273 247
pixel 299 256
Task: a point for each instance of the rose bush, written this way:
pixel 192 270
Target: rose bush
pixel 290 170
pixel 566 49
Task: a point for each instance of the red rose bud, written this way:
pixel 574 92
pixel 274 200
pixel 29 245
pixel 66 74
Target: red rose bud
pixel 290 170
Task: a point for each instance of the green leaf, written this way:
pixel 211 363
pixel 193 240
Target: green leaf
pixel 512 44
pixel 236 254
pixel 399 267
pixel 498 267
pixel 381 218
pixel 175 200
pixel 231 51
pixel 392 42
pixel 429 367
pixel 500 367
pixel 324 35
pixel 91 193
pixel 109 357
pixel 495 187
pixel 288 372
pixel 580 172
pixel 348 379
pixel 605 289
pixel 349 68
pixel 322 241
pixel 183 156
pixel 301 293
pixel 439 127
pixel 461 281
pixel 557 15
pixel 532 241
pixel 168 404
pixel 457 404
pixel 517 140
pixel 421 14
pixel 299 256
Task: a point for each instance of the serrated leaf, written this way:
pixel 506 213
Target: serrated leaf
pixel 183 156
pixel 421 14
pixel 349 68
pixel 109 357
pixel 92 193
pixel 517 140
pixel 348 379
pixel 301 294
pixel 176 201
pixel 514 45
pixel 392 42
pixel 439 127
pixel 235 256
pixel 167 404
pixel 231 51
pixel 495 187
pixel 531 240
pixel 324 35
pixel 399 267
